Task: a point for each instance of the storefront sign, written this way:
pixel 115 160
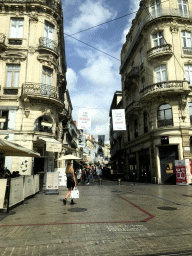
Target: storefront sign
pixel 52 180
pixel 118 116
pixel 164 140
pixel 3 184
pixel 53 147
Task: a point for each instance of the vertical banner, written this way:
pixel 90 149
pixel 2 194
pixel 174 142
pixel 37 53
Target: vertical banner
pixel 101 140
pixel 84 119
pixel 118 116
pixel 82 140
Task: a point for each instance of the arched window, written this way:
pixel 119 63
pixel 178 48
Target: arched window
pixel 43 124
pixel 145 122
pixel 164 115
pixel 190 112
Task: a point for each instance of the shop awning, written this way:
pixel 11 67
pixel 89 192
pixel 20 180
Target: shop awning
pixel 9 148
pixel 52 145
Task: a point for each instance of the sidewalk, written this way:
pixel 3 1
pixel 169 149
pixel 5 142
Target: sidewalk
pixel 107 219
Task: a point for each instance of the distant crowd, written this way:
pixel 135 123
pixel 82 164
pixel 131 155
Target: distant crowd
pixel 86 175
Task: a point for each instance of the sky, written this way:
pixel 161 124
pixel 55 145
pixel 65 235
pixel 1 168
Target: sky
pixel 92 76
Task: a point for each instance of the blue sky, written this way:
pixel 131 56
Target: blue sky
pixel 93 77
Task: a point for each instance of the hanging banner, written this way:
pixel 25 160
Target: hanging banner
pixel 84 119
pixel 82 141
pixel 118 116
pixel 101 140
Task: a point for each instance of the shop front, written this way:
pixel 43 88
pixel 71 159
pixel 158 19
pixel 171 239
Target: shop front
pixel 144 166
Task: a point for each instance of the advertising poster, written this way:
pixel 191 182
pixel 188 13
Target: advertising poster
pixel 84 119
pixel 82 141
pixel 52 180
pixel 118 116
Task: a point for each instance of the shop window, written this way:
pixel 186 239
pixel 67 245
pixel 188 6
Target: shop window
pixel 136 128
pixel 188 73
pixel 43 124
pixel 164 115
pixel 183 8
pixel 156 8
pixel 145 121
pixel 186 39
pixel 3 119
pixel 190 112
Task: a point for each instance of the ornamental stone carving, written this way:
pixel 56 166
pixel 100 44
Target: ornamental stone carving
pixel 33 17
pixel 32 49
pixel 174 28
pixel 49 59
pixel 13 56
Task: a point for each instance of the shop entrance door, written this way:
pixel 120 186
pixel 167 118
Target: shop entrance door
pixel 168 155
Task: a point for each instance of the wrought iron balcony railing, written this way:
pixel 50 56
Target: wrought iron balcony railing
pixel 48 43
pixel 44 90
pixel 172 12
pixel 164 86
pixel 159 50
pixel 55 4
pixel 187 50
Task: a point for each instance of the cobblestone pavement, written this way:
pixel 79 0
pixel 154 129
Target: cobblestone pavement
pixel 108 219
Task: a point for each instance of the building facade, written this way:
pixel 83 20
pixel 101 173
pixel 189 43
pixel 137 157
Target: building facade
pixel 156 70
pixel 33 81
pixel 116 141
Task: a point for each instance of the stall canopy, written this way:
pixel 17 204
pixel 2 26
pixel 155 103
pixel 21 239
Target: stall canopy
pixel 9 148
pixel 52 145
pixel 69 157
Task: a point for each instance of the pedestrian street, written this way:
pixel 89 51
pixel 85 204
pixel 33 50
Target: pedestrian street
pixel 107 219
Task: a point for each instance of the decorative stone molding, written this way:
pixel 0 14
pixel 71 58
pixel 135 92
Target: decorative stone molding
pixel 49 59
pixel 174 28
pixel 182 106
pixel 32 49
pixel 33 17
pixel 13 56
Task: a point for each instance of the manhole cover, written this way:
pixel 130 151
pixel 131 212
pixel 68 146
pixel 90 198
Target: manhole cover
pixel 167 208
pixel 77 210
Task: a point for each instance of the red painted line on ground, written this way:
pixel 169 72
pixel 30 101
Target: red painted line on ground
pixel 96 222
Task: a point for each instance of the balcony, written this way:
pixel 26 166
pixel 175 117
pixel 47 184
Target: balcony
pixel 41 91
pixel 132 107
pixel 54 4
pixel 165 88
pixel 2 41
pixel 187 50
pixel 161 50
pixel 165 12
pixel 48 44
pixel 131 77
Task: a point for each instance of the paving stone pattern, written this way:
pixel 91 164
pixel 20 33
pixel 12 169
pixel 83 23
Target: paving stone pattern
pixel 107 219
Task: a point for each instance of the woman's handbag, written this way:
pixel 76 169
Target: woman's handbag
pixel 74 193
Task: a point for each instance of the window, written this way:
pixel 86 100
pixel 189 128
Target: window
pixel 48 34
pixel 188 73
pixel 164 115
pixel 161 73
pixel 3 119
pixel 158 39
pixel 186 39
pixel 16 28
pixel 43 124
pixel 143 82
pixel 141 56
pixel 190 112
pixel 46 81
pixel 183 8
pixel 145 120
pixel 136 128
pixel 12 75
pixel 156 8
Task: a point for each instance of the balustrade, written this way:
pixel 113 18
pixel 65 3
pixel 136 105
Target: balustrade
pixel 159 50
pixel 48 43
pixel 187 50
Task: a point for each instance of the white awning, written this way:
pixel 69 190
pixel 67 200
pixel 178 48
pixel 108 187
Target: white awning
pixel 52 145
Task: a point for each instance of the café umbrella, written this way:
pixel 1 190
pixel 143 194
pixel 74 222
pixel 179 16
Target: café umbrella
pixel 69 157
pixel 9 148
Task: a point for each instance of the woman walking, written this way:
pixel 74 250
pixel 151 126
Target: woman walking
pixel 71 181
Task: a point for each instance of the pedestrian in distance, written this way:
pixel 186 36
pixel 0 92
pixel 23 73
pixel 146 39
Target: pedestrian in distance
pixel 92 174
pixel 98 172
pixel 88 176
pixel 71 181
pixel 84 176
pixel 79 177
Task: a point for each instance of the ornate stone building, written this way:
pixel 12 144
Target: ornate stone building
pixel 156 70
pixel 33 81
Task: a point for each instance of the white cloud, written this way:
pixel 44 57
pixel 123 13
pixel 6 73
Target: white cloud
pixel 134 5
pixel 71 79
pixel 91 14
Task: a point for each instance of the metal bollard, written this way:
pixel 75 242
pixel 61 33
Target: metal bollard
pixel 119 181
